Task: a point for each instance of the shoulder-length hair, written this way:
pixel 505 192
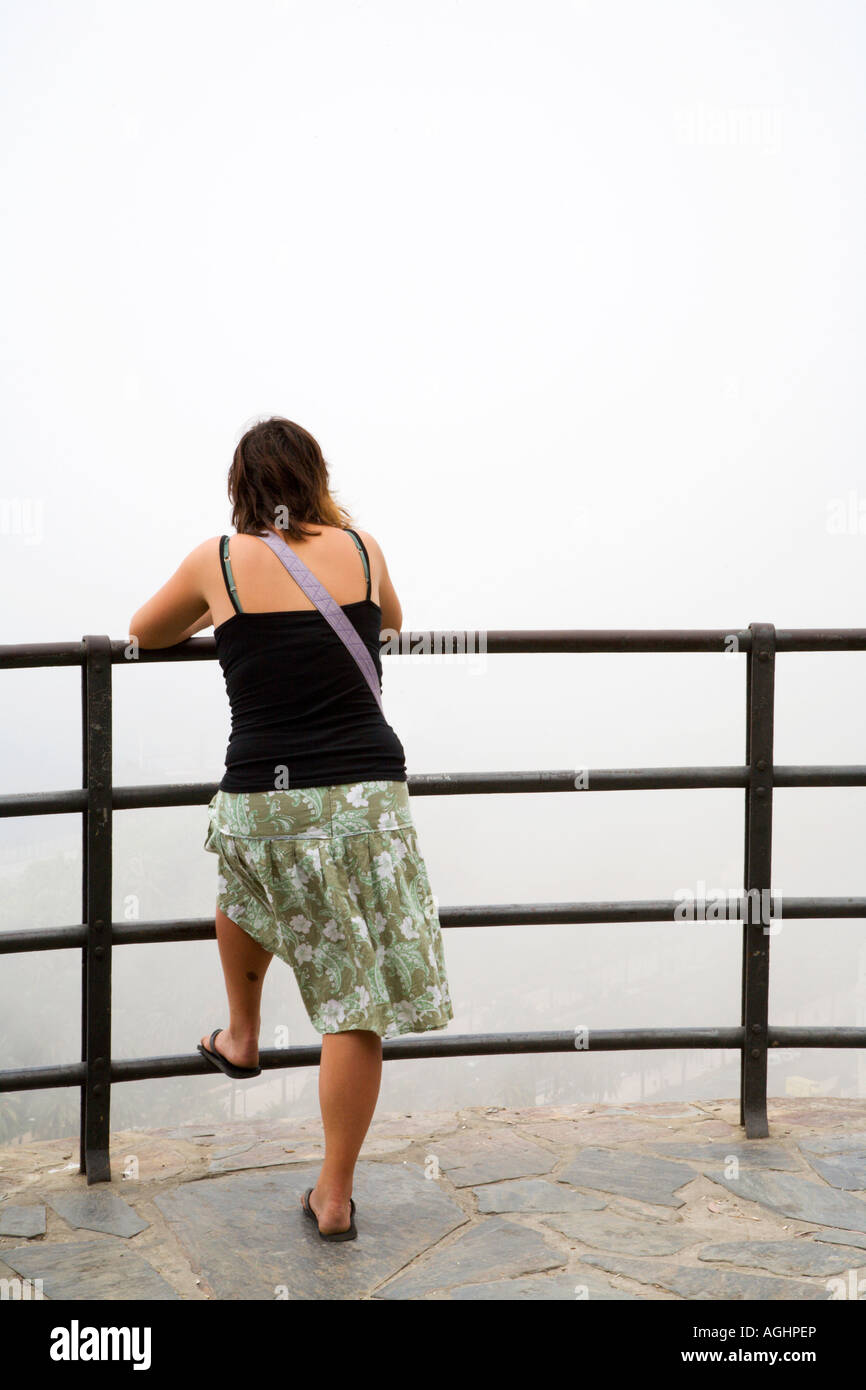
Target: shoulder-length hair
pixel 279 479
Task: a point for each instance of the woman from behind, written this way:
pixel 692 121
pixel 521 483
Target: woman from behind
pixel 318 856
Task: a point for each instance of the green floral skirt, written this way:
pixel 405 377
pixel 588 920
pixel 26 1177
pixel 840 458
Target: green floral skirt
pixel 332 881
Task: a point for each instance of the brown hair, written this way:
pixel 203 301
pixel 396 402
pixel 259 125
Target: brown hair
pixel 279 464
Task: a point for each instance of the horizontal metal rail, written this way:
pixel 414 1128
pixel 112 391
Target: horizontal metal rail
pixel 450 1045
pixel 841 639
pixel 483 915
pixel 152 795
pixel 96 801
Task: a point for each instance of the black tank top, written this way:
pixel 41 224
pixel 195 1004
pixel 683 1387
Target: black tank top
pixel 302 713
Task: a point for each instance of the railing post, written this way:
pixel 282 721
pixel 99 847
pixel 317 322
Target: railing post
pixel 96 909
pixel 760 674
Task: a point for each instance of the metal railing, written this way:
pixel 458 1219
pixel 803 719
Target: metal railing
pixel 97 935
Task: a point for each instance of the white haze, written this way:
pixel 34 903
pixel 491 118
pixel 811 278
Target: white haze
pixel 572 296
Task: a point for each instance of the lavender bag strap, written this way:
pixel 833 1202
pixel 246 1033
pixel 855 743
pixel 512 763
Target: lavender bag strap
pixel 329 609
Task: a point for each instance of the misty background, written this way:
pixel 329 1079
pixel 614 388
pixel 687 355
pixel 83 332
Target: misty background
pixel 572 297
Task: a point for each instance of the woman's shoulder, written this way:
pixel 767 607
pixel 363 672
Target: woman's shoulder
pixel 370 541
pixel 207 550
pixel 241 540
pixel 204 560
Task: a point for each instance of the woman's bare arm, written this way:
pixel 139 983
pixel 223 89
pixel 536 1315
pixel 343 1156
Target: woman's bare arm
pixel 204 621
pixel 392 613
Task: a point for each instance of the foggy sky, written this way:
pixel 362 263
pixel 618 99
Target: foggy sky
pixel 572 297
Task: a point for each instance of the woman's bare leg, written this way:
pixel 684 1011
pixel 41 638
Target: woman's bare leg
pixel 350 1073
pixel 244 964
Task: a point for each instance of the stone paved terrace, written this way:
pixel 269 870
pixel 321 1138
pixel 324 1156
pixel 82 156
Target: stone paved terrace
pixel 654 1201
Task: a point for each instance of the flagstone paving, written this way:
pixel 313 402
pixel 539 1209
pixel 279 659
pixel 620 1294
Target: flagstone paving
pixel 834 1143
pixel 847 1171
pixel 22 1221
pixel 546 1203
pixel 534 1194
pixel 747 1152
pixel 689 1282
pixel 784 1256
pixel 630 1175
pixel 89 1270
pixel 853 1238
pixel 98 1209
pixel 801 1198
pixel 583 1285
pixel 624 1235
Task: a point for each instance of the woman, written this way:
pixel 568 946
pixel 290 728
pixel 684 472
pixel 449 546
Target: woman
pixel 318 856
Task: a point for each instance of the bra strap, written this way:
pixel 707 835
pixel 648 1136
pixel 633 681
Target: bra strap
pixel 364 556
pixel 226 566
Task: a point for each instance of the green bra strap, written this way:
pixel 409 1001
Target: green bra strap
pixel 362 552
pixel 229 577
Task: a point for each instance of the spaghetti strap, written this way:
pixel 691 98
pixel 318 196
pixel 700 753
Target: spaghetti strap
pixel 226 566
pixel 364 556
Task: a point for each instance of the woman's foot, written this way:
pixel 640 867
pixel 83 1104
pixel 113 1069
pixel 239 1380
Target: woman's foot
pixel 333 1214
pixel 240 1051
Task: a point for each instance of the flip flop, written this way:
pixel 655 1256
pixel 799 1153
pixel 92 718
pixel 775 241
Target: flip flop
pixel 349 1234
pixel 216 1059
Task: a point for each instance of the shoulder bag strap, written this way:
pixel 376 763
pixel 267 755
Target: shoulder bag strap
pixel 327 606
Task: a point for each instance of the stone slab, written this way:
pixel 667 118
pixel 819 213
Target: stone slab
pixel 643 1178
pixel 248 1236
pixel 413 1126
pixel 92 1270
pixel 599 1130
pixel 22 1221
pixel 831 1237
pixel 522 1114
pixel 625 1235
pixel 534 1194
pixel 796 1197
pixel 716 1129
pixel 846 1171
pixel 272 1153
pixel 98 1211
pixel 561 1288
pixel 816 1111
pixel 235 1149
pixel 495 1248
pixel 690 1282
pixel 481 1157
pixel 754 1153
pixel 843 1143
pixel 236 1134
pixel 785 1256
